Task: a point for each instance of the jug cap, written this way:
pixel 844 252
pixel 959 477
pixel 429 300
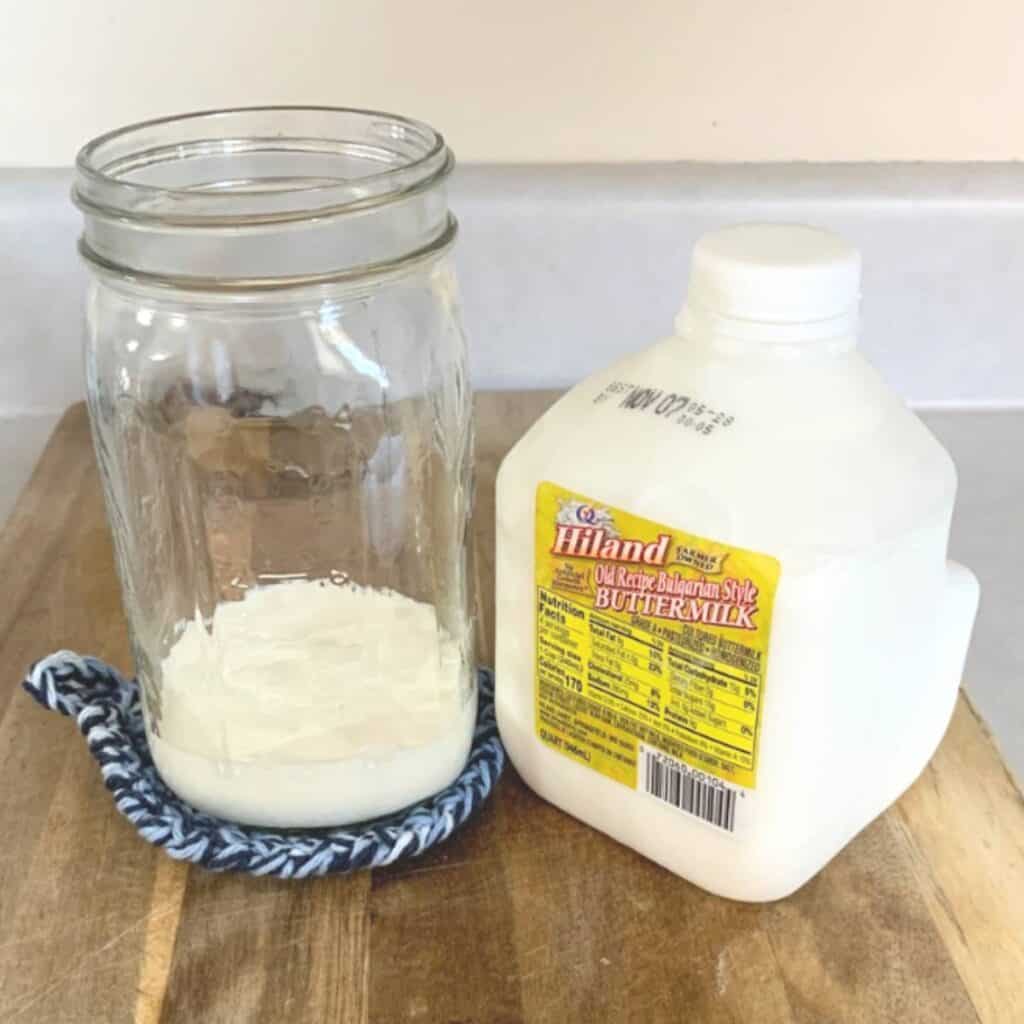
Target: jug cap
pixel 775 282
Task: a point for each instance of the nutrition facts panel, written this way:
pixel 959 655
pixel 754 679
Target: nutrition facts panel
pixel 673 686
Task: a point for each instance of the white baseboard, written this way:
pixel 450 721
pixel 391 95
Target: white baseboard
pixel 565 268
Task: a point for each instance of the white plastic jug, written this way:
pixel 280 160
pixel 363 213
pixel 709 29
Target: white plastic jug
pixel 727 632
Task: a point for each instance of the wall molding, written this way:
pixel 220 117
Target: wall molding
pixel 564 268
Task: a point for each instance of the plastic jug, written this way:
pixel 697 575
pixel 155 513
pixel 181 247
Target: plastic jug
pixel 727 632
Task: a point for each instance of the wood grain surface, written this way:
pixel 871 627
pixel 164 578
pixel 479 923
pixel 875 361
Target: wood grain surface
pixel 526 916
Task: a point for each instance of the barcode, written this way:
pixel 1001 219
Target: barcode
pixel 677 785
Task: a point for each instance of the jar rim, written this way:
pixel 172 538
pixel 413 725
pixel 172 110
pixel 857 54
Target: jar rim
pixel 414 156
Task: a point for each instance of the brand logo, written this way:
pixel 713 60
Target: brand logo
pixel 572 512
pixel 588 531
pixel 594 542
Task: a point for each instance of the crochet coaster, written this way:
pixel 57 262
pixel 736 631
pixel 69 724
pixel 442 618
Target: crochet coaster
pixel 108 711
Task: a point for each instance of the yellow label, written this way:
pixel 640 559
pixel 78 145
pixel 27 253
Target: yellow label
pixel 651 642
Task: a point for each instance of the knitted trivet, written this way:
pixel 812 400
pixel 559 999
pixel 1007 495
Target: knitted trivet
pixel 109 715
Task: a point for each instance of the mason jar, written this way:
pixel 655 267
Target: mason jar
pixel 277 388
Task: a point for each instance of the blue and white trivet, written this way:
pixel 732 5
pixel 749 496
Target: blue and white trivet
pixel 109 715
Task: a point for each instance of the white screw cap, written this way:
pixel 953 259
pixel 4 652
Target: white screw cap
pixel 775 274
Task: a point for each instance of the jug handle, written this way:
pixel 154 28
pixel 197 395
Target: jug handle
pixel 959 609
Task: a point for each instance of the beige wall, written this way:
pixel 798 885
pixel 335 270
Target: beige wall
pixel 540 80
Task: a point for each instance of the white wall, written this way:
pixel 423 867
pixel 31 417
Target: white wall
pixel 539 80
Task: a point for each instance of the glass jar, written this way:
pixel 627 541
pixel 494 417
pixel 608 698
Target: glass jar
pixel 279 403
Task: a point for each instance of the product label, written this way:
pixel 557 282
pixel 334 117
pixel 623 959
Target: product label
pixel 652 651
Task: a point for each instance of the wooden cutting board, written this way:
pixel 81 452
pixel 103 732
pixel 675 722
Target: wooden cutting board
pixel 527 916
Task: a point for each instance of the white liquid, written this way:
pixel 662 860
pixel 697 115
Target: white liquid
pixel 310 704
